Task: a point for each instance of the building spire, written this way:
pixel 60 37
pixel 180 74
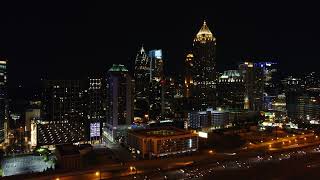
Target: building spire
pixel 142 49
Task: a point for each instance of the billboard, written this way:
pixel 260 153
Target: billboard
pixel 94 129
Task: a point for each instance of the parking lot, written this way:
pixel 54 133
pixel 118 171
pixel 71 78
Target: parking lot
pixel 25 164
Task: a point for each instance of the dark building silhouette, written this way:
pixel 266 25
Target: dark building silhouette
pixel 231 90
pixel 119 91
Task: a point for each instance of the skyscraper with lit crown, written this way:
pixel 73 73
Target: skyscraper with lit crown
pixel 142 81
pixel 203 69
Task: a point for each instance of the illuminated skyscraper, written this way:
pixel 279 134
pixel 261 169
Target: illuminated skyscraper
pixel 3 97
pixel 120 87
pixel 63 100
pixel 62 113
pixel 188 81
pixel 253 77
pixel 231 90
pixel 95 107
pixel 203 69
pixel 156 96
pixel 156 64
pixel 142 83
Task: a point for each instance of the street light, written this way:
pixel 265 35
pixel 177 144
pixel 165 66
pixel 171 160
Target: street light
pixel 57 178
pixel 98 174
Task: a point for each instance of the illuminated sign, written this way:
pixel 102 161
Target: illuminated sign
pixel 95 129
pixel 203 134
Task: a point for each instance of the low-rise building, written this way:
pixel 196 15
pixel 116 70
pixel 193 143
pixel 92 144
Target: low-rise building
pixel 68 156
pixel 208 119
pixel 164 141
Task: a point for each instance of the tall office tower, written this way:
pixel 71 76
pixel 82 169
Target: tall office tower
pixel 270 77
pixel 156 100
pixel 230 90
pixel 293 87
pixel 169 92
pixel 3 98
pixel 156 65
pixel 271 83
pixel 95 107
pixel 253 77
pixel 203 71
pixel 308 107
pixel 120 89
pixel 63 100
pixel 311 80
pixel 188 80
pixel 63 112
pixel 142 84
pixel 156 85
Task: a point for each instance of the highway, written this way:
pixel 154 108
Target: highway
pixel 207 162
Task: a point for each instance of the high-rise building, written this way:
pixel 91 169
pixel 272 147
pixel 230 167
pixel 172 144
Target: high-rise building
pixel 271 83
pixel 63 100
pixel 142 84
pixel 230 90
pixel 156 64
pixel 95 107
pixel 3 98
pixel 156 92
pixel 311 80
pixel 293 88
pixel 253 77
pixel 188 81
pixel 203 69
pixel 169 92
pixel 62 113
pixel 119 92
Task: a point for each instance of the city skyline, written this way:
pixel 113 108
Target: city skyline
pixel 38 40
pixel 136 90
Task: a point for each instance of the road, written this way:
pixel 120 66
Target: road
pixel 282 165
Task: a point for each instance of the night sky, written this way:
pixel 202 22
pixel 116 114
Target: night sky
pixel 73 39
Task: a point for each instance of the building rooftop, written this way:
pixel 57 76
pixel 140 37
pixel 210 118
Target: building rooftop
pixel 204 34
pixel 67 149
pixel 118 68
pixel 60 133
pixel 160 132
